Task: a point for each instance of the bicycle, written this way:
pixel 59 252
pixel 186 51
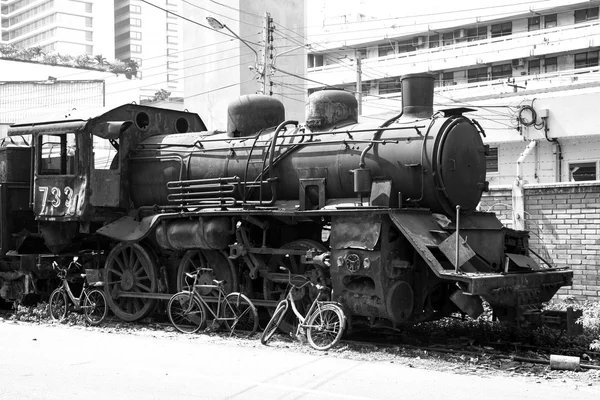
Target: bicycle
pixel 91 299
pixel 324 321
pixel 188 309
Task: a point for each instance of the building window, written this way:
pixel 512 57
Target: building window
pixel 550 64
pixel 387 49
pixel 586 171
pixel 534 66
pixel 550 21
pixel 434 41
pixel 503 29
pixel 479 33
pixel 89 36
pixel 491 160
pixel 448 79
pixel 172 53
pixel 587 59
pixel 171 27
pixel 88 7
pixel 171 78
pixel 122 11
pixel 389 86
pixel 172 39
pixel 448 39
pixel 477 74
pixel 135 9
pixel 315 60
pixel 533 23
pixel 135 48
pixel 122 36
pixel 172 64
pixel 88 22
pixel 586 14
pixel 136 35
pixel 135 22
pixel 501 71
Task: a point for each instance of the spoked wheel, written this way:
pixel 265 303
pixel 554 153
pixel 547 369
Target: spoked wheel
pixel 130 269
pixel 186 313
pixel 275 290
pixel 222 270
pixel 94 306
pixel 244 320
pixel 58 304
pixel 274 322
pixel 325 326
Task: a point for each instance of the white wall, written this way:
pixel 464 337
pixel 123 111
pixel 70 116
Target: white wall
pixel 217 65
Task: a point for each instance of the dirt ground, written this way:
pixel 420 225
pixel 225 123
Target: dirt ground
pixel 472 360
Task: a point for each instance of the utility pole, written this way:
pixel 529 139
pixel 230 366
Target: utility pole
pixel 265 71
pixel 358 82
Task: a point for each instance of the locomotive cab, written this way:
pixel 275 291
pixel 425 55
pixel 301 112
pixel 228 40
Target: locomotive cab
pixel 79 179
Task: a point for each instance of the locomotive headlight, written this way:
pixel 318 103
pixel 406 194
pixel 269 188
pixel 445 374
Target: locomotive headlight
pixel 366 263
pixel 340 261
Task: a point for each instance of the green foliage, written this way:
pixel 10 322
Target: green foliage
pixel 128 67
pixel 161 94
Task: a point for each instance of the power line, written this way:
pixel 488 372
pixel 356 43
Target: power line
pixel 192 21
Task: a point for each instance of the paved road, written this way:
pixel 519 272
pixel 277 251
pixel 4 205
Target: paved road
pixel 58 362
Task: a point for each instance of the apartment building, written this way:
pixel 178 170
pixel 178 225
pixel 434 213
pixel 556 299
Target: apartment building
pixel 151 35
pixel 541 57
pixel 72 27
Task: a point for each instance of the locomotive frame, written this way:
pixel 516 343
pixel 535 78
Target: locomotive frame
pixel 385 215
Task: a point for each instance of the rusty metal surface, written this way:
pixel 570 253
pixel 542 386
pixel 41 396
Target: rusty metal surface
pixel 252 113
pixel 359 232
pixel 127 229
pixel 418 228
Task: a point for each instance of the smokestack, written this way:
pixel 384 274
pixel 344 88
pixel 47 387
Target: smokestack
pixel 417 96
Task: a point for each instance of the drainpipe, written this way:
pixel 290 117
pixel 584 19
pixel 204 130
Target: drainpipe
pixel 518 198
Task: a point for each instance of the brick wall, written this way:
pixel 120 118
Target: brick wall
pixel 564 225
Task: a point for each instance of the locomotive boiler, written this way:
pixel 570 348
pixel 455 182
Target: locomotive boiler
pixel 383 214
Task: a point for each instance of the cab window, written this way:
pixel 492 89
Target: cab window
pixel 56 154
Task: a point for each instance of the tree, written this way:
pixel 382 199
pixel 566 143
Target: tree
pixel 101 60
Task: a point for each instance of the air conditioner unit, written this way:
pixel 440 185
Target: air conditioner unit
pixel 518 62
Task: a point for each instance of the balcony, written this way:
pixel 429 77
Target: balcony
pixel 466 54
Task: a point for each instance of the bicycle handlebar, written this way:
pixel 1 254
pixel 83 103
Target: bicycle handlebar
pixel 320 288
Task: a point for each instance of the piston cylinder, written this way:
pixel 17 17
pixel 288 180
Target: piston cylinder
pixel 201 233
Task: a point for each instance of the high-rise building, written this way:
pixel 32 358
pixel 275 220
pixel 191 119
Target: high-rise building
pixel 150 34
pixel 73 27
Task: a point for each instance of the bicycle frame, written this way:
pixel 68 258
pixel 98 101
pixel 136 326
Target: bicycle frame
pixel 76 300
pixel 218 315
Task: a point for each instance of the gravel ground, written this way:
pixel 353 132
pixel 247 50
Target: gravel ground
pixel 472 359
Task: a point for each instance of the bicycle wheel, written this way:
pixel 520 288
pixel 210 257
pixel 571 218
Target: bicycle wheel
pixel 325 326
pixel 58 304
pixel 186 312
pixel 274 322
pixel 94 306
pixel 240 313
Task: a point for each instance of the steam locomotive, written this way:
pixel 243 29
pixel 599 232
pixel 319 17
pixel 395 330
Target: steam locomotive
pixel 384 214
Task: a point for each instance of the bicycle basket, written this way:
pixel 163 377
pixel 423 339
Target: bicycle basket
pixel 93 275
